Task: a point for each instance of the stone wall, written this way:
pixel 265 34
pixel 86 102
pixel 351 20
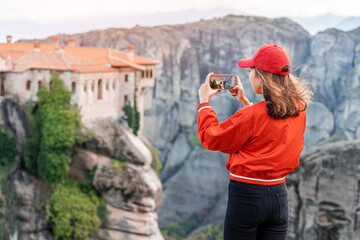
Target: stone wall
pixel 113 89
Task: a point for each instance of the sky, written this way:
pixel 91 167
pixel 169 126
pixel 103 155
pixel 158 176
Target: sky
pixel 94 14
pixel 50 10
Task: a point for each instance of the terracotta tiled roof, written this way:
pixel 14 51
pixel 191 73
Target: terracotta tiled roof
pixel 137 59
pixel 48 60
pixel 119 62
pixel 13 54
pixel 26 47
pixel 88 59
pixel 144 61
pixel 31 59
pixel 97 55
pixel 126 69
pixel 96 68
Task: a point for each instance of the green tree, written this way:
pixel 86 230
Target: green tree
pixel 133 116
pixel 212 232
pixel 136 123
pixel 194 141
pixel 59 122
pixel 156 163
pixel 73 213
pixel 173 231
pixel 32 143
pixel 7 150
pixel 76 210
pixel 129 114
pixel 213 84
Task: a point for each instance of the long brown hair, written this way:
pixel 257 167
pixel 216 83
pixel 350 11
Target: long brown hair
pixel 285 95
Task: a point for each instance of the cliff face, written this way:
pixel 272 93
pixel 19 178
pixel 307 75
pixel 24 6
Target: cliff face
pixel 26 218
pixel 334 63
pixel 324 193
pixel 131 189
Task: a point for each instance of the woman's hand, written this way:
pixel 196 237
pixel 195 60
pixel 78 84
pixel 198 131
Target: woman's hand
pixel 238 91
pixel 205 91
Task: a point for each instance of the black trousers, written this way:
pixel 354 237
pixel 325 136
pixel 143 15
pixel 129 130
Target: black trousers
pixel 256 212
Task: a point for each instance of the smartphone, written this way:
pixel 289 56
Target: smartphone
pixel 222 81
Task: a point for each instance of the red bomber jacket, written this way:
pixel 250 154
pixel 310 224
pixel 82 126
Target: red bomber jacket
pixel 263 150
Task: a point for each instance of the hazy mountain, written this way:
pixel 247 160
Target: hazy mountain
pixel 319 23
pixel 322 22
pixel 31 30
pixel 349 24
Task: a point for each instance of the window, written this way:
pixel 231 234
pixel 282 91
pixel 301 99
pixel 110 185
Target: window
pixel 28 85
pixel 107 84
pixel 142 74
pixel 39 85
pixel 92 85
pixel 125 99
pixel 147 73
pixel 100 89
pixel 151 73
pixel 114 84
pixel 2 88
pixel 126 78
pixel 73 87
pixel 50 85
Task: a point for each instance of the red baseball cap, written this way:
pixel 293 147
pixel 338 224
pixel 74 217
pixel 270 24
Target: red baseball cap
pixel 270 58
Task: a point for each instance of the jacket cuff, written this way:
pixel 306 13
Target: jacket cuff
pixel 203 106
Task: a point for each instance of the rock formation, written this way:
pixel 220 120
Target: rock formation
pixel 28 212
pixel 324 193
pixel 26 218
pixel 132 190
pixel 334 63
pixel 123 176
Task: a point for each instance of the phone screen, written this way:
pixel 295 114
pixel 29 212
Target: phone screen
pixel 222 81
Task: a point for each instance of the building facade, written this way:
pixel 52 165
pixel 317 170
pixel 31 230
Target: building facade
pixel 102 80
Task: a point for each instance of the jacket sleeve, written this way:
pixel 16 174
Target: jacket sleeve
pixel 227 137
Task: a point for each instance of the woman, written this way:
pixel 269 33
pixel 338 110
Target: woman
pixel 264 142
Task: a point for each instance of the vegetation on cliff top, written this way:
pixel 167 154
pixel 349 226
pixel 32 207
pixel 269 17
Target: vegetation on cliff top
pixel 156 163
pixel 211 232
pixel 74 210
pixel 8 152
pixel 32 143
pixel 182 230
pixel 59 122
pixel 133 116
